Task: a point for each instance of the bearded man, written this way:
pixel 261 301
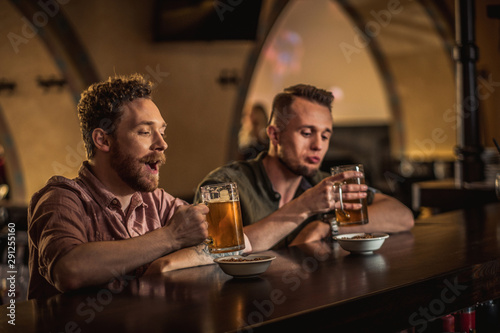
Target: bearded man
pixel 112 220
pixel 282 192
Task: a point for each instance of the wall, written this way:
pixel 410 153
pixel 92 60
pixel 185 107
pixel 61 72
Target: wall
pixel 39 126
pixel 43 128
pixel 117 36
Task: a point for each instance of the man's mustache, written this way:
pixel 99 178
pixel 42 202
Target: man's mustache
pixel 159 158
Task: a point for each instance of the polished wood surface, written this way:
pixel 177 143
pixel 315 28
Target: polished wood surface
pixel 447 262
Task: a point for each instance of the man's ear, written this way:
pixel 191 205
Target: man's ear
pixel 101 139
pixel 274 134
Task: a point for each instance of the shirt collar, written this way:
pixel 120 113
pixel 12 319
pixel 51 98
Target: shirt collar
pixel 101 194
pixel 259 168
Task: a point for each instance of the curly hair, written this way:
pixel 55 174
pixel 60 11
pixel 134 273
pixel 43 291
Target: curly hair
pixel 282 101
pixel 101 105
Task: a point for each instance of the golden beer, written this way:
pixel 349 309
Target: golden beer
pixel 224 227
pixel 225 230
pixel 353 216
pixel 347 217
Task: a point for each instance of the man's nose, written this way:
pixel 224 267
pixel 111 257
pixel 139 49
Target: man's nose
pixel 317 142
pixel 160 143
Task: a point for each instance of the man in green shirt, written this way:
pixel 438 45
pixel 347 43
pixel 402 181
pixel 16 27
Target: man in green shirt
pixel 283 193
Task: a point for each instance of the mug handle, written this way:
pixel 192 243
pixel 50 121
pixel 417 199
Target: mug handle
pixel 339 185
pixel 209 240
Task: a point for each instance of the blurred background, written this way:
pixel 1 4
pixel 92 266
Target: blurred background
pixel 389 64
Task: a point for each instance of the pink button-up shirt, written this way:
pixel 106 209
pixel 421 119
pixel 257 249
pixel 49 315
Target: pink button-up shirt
pixel 68 212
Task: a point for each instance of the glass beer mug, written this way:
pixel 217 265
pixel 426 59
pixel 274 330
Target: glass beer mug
pixel 344 216
pixel 225 230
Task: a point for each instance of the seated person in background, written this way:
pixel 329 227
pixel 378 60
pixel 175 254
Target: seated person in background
pixel 282 192
pixel 112 220
pixel 252 138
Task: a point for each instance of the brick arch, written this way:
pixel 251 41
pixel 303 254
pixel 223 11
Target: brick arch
pixel 438 14
pixel 46 20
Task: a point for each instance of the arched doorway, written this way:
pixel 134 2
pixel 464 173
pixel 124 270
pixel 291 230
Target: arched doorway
pixel 389 65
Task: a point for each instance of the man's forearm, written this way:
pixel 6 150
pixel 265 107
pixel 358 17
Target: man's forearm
pixel 96 263
pixel 265 233
pixel 390 214
pixel 385 214
pixel 187 257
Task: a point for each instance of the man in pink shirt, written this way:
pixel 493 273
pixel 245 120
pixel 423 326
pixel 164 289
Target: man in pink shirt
pixel 112 220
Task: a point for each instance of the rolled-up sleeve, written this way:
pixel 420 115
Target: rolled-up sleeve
pixel 57 225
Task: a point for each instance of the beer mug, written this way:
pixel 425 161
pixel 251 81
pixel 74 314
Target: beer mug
pixel 344 216
pixel 225 230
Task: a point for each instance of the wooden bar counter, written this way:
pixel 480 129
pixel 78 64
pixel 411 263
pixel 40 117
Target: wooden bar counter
pixel 446 263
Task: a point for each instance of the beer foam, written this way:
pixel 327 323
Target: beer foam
pixel 224 195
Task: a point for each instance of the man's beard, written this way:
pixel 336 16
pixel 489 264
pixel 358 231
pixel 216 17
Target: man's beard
pixel 131 169
pixel 298 169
